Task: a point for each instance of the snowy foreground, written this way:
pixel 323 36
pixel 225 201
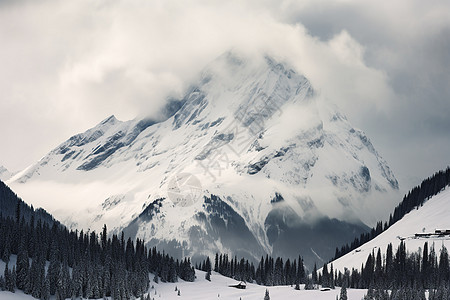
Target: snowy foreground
pixel 219 288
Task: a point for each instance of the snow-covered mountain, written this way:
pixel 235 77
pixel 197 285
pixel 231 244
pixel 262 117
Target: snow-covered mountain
pixel 5 174
pixel 414 229
pixel 249 161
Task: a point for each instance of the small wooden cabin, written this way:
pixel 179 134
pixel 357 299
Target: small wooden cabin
pixel 241 285
pixel 442 231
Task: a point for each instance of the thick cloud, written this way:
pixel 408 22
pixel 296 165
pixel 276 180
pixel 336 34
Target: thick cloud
pixel 409 41
pixel 67 65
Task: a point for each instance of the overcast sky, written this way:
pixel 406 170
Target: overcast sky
pixel 66 65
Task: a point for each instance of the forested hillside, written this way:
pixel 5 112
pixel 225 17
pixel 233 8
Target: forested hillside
pixel 415 198
pixel 80 264
pixel 9 205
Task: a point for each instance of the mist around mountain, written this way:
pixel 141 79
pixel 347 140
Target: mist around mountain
pixel 250 161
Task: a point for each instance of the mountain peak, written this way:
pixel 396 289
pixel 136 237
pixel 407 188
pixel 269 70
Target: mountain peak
pixel 239 64
pixel 247 159
pixel 109 120
pixel 242 88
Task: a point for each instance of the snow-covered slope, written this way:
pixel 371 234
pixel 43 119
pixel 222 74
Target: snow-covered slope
pixel 288 173
pixel 218 288
pixel 432 216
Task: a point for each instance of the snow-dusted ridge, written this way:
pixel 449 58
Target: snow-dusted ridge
pixel 5 174
pixel 269 163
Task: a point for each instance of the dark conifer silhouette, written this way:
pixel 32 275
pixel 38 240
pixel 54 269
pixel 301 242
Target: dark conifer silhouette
pixel 101 266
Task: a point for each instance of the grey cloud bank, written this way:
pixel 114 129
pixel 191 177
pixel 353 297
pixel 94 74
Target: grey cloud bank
pixel 68 65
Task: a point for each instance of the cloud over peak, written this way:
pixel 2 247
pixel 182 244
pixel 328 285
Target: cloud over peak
pixel 67 65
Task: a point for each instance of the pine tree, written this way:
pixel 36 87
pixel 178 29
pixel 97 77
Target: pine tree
pixel 37 275
pixel 2 283
pixel 208 269
pixel 343 293
pixel 12 280
pixel 389 265
pixel 45 292
pixel 22 266
pixel 54 267
pixel 309 285
pixel 7 250
pixel 325 275
pixel 378 268
pixel 216 263
pixel 278 272
pixel 331 280
pixel 6 276
pixel 314 275
pixel 444 265
pixel 301 271
pixel 425 265
pixel 267 296
pixel 104 236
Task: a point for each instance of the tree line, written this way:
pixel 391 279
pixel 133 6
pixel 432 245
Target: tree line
pixel 397 274
pixel 53 261
pixel 8 206
pixel 415 198
pixel 269 271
